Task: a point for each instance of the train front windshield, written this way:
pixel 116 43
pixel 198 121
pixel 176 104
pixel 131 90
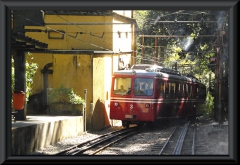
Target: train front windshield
pixel 143 86
pixel 122 86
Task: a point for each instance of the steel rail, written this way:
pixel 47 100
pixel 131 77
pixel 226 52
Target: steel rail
pixel 165 144
pixel 77 149
pixel 193 144
pixel 111 143
pixel 178 147
pixel 84 143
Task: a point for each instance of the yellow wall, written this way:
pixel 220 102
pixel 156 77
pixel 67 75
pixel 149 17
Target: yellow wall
pixel 95 37
pixel 69 70
pixel 41 59
pixel 102 73
pixel 80 72
pixel 84 71
pixel 74 71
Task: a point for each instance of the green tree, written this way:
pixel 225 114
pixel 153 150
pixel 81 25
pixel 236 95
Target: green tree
pixel 31 69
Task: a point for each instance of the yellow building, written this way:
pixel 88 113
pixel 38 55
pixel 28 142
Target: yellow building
pixel 84 49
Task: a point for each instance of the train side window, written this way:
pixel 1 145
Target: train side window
pixel 176 89
pixel 173 86
pixel 169 87
pixel 161 86
pixel 189 91
pixel 166 90
pixel 186 90
pixel 172 90
pixel 169 90
pixel 197 95
pixel 181 90
pixel 162 89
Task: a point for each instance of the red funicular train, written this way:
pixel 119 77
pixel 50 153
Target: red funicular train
pixel 148 92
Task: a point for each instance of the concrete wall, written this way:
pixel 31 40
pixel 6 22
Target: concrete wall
pixel 32 137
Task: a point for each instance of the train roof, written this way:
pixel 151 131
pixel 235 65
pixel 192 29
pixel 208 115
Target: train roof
pixel 147 73
pixel 143 66
pixel 155 71
pixel 156 68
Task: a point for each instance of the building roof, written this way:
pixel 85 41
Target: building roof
pixel 79 12
pixel 24 43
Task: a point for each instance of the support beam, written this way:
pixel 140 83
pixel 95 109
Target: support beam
pixel 20 82
pixel 216 88
pixel 219 87
pixel 175 36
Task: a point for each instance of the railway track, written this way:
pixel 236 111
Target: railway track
pixel 181 141
pixel 98 144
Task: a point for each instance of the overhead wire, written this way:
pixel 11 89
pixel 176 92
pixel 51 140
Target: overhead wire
pixel 67 34
pixel 75 37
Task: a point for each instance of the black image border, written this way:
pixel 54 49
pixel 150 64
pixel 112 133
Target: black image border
pixel 5 76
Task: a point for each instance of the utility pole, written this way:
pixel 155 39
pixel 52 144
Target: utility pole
pixel 210 87
pixel 218 96
pixel 85 110
pixel 218 78
pixel 142 50
pixel 216 85
pixel 155 50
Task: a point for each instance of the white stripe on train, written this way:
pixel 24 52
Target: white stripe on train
pixel 134 100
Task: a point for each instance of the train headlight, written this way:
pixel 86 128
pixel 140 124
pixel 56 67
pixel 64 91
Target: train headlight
pixel 116 104
pixel 147 105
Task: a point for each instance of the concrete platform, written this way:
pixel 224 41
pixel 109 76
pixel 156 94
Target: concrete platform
pixel 40 131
